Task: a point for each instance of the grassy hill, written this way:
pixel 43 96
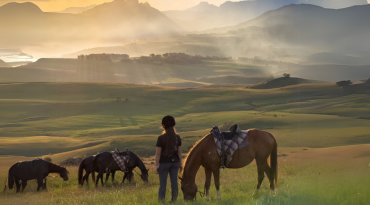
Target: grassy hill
pixel 89 118
pixel 282 82
pixel 177 75
pixel 321 131
pixel 233 79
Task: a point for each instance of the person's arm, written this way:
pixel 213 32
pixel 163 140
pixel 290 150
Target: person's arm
pixel 180 157
pixel 157 157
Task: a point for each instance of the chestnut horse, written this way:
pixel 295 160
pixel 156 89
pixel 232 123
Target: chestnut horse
pixel 204 153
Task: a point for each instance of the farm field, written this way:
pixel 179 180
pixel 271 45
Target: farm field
pixel 322 133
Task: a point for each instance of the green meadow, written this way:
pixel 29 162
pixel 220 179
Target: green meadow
pixel 322 133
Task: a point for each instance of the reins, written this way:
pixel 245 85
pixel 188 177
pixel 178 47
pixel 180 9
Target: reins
pixel 137 172
pixel 202 194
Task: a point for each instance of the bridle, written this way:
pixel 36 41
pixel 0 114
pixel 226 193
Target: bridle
pixel 202 194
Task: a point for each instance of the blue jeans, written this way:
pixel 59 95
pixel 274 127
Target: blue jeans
pixel 164 169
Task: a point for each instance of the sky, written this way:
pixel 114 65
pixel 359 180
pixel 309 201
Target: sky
pixel 58 5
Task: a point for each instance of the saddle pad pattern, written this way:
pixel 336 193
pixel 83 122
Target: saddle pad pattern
pixel 230 146
pixel 122 161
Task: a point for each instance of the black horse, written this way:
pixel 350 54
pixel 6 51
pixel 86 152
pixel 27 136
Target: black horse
pixel 86 165
pixel 104 162
pixel 36 169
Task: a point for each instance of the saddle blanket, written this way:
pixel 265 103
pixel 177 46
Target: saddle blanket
pixel 230 146
pixel 122 161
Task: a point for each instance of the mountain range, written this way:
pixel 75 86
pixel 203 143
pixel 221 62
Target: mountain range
pixel 309 27
pixel 291 33
pixel 118 21
pixel 3 64
pixel 206 16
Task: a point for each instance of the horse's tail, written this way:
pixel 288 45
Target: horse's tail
pixel 10 179
pixel 274 162
pixel 80 172
pixel 93 166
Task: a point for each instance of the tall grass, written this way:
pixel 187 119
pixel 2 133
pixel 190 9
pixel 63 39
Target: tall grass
pixel 315 184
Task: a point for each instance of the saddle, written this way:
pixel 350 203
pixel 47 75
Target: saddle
pixel 233 131
pixel 222 137
pixel 121 159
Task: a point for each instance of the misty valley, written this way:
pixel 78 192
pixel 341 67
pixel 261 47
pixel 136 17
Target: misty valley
pixel 92 84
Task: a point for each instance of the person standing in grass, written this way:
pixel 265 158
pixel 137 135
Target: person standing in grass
pixel 168 158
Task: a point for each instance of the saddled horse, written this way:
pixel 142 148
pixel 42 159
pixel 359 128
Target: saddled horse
pixel 86 165
pixel 262 144
pixel 104 162
pixel 36 169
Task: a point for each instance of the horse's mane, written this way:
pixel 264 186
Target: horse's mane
pixel 190 151
pixel 140 160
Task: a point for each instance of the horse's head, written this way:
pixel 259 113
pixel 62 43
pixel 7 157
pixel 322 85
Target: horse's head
pixel 64 174
pixel 189 190
pixel 144 175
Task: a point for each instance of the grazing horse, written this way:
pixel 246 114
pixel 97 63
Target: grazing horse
pixel 86 165
pixel 105 162
pixel 36 169
pixel 261 145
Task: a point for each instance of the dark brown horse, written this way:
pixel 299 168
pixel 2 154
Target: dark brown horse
pixel 36 169
pixel 104 162
pixel 261 145
pixel 86 165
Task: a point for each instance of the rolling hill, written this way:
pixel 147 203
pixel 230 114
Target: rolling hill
pixel 333 58
pixel 332 73
pixel 283 82
pixel 178 75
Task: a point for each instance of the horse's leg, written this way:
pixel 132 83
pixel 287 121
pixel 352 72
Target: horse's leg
pixel 216 176
pixel 113 173
pixel 107 176
pixel 86 178
pixel 261 166
pixel 208 182
pixel 101 179
pixel 18 185
pixel 24 184
pixel 124 177
pixel 39 183
pixel 44 185
pixel 130 176
pixel 270 176
pixel 83 179
pixel 100 176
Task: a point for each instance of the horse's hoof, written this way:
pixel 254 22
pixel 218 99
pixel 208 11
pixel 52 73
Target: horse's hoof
pixel 255 193
pixel 272 192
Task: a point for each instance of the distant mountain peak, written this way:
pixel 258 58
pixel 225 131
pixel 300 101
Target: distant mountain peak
pixel 203 6
pixel 14 7
pixel 76 10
